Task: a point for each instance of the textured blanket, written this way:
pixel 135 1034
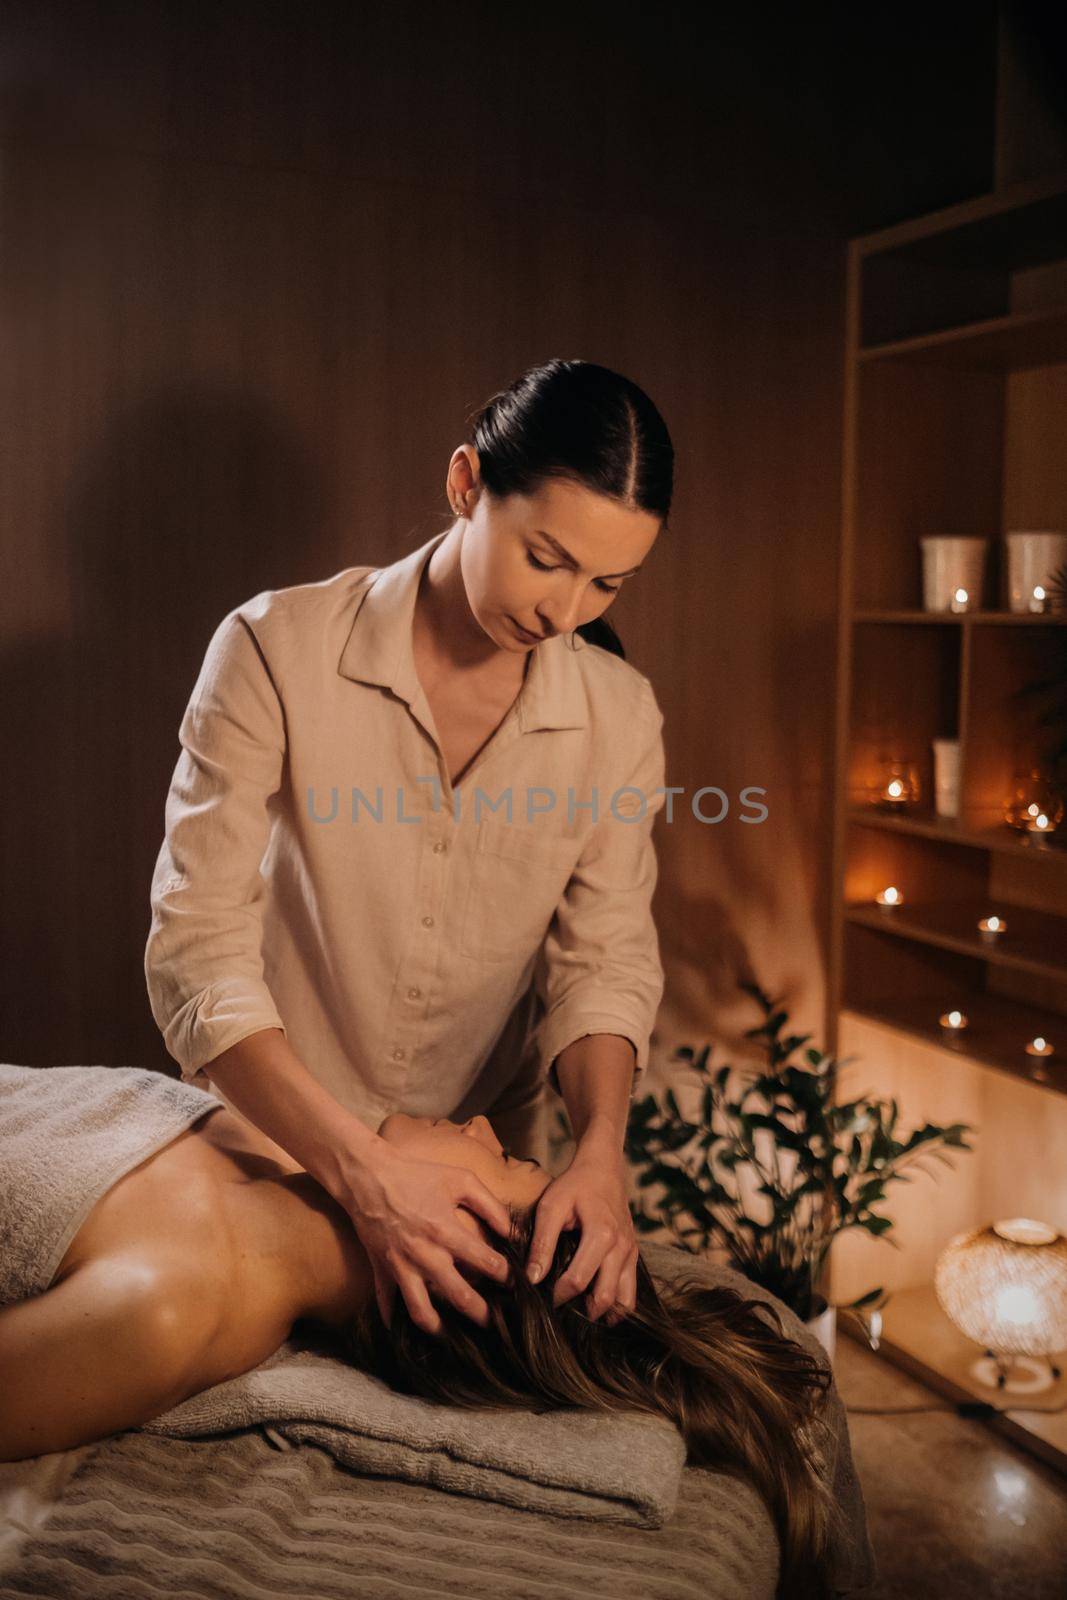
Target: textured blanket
pixel 236 1519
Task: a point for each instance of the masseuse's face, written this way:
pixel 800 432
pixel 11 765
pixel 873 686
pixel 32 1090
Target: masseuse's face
pixel 514 573
pixel 472 1145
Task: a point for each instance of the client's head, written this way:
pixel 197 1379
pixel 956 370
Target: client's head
pixel 472 1145
pixel 716 1363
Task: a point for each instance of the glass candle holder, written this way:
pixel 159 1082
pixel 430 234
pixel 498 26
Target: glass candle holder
pixel 1039 1051
pixel 953 1024
pixel 889 898
pixel 992 929
pixel 1034 807
pixel 897 787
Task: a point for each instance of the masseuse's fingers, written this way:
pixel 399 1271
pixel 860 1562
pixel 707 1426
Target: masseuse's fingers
pixel 417 1300
pixel 465 1245
pixel 548 1224
pixel 626 1293
pixel 595 1246
pixel 473 1194
pixel 605 1291
pixel 453 1286
pixel 384 1291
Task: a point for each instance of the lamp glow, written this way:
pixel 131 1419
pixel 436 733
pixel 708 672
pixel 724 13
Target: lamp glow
pixel 889 898
pixel 960 601
pixel 1005 1287
pixel 991 928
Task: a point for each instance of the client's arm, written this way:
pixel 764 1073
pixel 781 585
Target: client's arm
pixel 110 1347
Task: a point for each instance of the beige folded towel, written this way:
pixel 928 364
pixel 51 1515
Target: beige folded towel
pixel 621 1468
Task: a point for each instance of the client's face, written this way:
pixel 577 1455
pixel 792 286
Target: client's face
pixel 472 1145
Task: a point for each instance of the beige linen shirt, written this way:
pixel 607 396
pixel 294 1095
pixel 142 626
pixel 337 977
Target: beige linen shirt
pixel 420 950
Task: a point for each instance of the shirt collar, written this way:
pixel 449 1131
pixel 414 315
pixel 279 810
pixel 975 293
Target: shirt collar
pixel 379 650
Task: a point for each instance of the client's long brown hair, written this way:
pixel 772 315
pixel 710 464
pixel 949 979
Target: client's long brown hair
pixel 743 1395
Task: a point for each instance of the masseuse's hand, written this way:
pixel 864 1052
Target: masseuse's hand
pixel 590 1195
pixel 407 1215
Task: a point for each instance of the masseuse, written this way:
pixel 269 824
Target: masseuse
pixel 408 862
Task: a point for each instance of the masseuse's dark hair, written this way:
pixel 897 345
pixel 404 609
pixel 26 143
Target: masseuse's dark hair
pixel 745 1397
pixel 583 422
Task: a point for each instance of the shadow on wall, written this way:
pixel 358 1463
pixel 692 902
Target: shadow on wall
pixel 187 506
pixel 706 957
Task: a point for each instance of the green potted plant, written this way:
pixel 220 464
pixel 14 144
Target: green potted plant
pixel 772 1139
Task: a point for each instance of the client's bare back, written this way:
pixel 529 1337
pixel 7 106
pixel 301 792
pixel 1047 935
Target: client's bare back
pixel 177 1279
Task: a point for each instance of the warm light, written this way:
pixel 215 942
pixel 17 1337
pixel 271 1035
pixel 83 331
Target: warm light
pixel 991 928
pixel 1039 599
pixel 1039 1047
pixel 1019 1306
pixel 1010 1483
pixel 1035 805
pixel 897 785
pixel 889 898
pixel 952 1022
pixel 959 601
pixel 1005 1287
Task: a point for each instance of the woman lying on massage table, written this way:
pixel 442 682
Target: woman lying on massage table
pixel 195 1266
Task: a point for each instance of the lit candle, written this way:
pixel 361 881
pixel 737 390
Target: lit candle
pixel 1039 599
pixel 1039 821
pixel 897 785
pixel 889 898
pixel 952 1023
pixel 991 928
pixel 1038 1049
pixel 959 601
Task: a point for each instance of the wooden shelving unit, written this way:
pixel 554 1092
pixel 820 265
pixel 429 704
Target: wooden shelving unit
pixel 955 417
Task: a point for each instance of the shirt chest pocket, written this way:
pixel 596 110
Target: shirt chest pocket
pixel 516 882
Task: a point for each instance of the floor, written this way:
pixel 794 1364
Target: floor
pixel 954 1510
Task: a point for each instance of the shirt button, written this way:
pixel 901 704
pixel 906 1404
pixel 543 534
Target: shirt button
pixel 439 848
pixel 399 1053
pixel 427 922
pixel 414 993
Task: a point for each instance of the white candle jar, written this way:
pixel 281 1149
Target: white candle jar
pixel 1033 559
pixel 951 563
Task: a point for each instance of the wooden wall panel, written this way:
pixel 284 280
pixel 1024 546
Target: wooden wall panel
pixel 258 267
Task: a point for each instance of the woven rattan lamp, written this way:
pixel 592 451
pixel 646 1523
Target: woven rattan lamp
pixel 1005 1287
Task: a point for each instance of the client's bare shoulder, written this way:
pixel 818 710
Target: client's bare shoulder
pixel 195 1223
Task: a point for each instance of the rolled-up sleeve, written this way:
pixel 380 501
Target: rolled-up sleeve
pixel 203 959
pixel 599 969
